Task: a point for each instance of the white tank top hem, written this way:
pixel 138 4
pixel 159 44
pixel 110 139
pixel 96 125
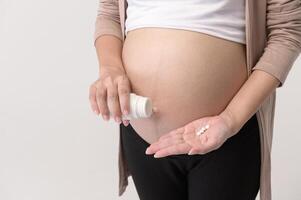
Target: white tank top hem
pixel 238 39
pixel 221 18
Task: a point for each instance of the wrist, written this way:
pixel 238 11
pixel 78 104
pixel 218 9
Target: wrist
pixel 104 68
pixel 230 120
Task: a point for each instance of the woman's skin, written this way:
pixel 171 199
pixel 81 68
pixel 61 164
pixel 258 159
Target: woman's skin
pixel 189 78
pixel 186 74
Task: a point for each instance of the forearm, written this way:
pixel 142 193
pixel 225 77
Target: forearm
pixel 109 51
pixel 249 98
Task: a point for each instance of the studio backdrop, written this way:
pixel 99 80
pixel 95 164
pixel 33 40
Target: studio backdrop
pixel 52 146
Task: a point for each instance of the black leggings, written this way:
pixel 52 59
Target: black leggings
pixel 231 172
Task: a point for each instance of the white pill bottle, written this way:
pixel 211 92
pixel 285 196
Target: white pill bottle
pixel 140 107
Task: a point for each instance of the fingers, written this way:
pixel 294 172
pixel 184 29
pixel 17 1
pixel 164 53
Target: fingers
pixel 124 96
pixel 97 97
pixel 182 148
pixel 92 99
pixel 101 100
pixel 113 100
pixel 173 139
pixel 110 96
pixel 202 149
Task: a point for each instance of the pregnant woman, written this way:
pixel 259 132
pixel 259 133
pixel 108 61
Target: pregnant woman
pixel 194 60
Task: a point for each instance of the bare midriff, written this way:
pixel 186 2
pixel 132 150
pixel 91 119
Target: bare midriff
pixel 186 74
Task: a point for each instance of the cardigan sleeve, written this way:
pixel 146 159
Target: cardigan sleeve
pixel 107 20
pixel 283 25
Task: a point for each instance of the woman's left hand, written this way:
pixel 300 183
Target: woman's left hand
pixel 184 140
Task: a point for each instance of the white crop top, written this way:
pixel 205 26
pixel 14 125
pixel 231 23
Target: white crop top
pixel 221 18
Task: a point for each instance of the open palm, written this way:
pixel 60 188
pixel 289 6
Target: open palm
pixel 184 140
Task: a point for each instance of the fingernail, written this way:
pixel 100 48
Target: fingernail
pixel 126 112
pixel 190 153
pixel 117 119
pixel 106 117
pixel 156 156
pixel 126 122
pixel 95 111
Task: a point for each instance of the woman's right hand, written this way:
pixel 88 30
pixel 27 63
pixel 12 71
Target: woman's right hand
pixel 109 95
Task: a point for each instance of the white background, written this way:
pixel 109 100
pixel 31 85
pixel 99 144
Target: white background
pixel 52 147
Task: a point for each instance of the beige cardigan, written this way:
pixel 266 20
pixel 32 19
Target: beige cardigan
pixel 273 43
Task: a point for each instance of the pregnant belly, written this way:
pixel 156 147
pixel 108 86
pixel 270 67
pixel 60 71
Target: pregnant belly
pixel 186 74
